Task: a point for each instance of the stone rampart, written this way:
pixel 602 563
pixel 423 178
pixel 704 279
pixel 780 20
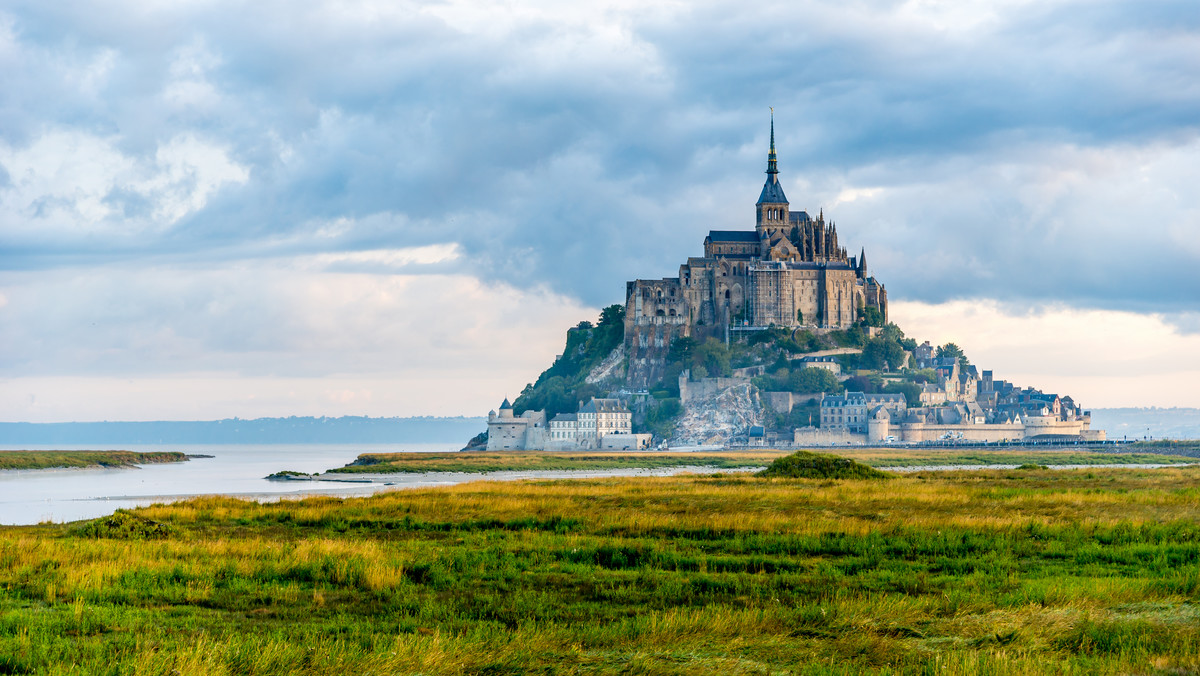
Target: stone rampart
pixel 815 436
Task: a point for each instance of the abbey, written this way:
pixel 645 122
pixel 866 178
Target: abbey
pixel 789 271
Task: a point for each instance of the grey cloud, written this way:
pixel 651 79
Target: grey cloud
pixel 581 169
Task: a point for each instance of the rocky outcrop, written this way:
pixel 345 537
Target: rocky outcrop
pixel 611 369
pixel 719 417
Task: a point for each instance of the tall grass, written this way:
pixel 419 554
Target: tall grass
pixel 961 572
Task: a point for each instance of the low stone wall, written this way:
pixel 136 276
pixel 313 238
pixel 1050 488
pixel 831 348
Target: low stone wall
pixel 917 432
pixel 625 442
pixel 704 388
pixel 784 402
pixel 815 436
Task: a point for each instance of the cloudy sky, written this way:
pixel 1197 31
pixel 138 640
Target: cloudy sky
pixel 218 208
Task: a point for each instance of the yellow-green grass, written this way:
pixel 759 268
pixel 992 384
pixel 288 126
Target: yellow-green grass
pixel 497 461
pixel 69 459
pixel 996 572
pixel 917 457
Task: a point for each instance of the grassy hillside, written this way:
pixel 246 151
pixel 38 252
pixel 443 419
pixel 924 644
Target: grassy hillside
pixel 1019 572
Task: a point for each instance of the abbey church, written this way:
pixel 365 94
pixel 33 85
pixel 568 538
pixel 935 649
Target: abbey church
pixel 790 271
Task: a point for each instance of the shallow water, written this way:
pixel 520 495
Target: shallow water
pixel 34 496
pixel 60 495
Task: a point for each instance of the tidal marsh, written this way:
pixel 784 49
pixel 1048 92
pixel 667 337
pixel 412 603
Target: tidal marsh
pixel 509 461
pixel 83 459
pixel 1017 571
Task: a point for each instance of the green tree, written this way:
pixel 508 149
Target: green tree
pixel 681 350
pixel 714 356
pixel 870 316
pixel 880 352
pixel 952 350
pixel 893 332
pixel 813 380
pixel 911 392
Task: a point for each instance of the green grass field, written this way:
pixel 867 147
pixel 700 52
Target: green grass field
pixel 502 461
pixel 497 461
pixel 988 572
pixel 69 459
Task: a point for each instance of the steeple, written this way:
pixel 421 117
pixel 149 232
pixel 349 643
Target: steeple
pixel 772 166
pixel 772 192
pixel 862 263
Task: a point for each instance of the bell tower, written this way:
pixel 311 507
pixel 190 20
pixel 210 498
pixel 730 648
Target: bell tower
pixel 771 211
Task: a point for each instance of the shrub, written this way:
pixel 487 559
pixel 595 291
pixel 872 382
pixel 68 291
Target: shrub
pixel 125 526
pixel 807 465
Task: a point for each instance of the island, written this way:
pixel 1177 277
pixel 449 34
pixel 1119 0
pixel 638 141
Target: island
pixel 775 336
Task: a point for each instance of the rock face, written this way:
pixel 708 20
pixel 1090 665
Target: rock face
pixel 611 369
pixel 719 417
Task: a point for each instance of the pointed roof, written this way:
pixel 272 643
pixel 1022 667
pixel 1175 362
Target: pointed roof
pixel 505 404
pixel 772 192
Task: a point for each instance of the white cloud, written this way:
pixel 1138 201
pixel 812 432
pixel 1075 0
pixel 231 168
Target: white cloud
pixel 251 340
pixel 1101 358
pixel 392 258
pixel 187 172
pixel 189 88
pixel 92 78
pixel 1025 151
pixel 73 182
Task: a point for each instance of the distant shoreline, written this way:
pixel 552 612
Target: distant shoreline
pixel 39 460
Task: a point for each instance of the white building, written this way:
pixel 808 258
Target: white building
pixel 599 423
pixel 849 412
pixel 507 432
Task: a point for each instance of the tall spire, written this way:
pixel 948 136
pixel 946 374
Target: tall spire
pixel 772 167
pixel 772 192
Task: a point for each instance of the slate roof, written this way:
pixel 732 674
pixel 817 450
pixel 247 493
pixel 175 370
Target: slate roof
pixel 799 216
pixel 604 406
pixel 772 191
pixel 875 398
pixel 732 236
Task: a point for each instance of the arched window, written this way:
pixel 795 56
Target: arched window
pixel 660 313
pixel 726 294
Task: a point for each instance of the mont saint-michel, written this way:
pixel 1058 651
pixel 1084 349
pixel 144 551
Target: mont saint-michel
pixel 774 336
